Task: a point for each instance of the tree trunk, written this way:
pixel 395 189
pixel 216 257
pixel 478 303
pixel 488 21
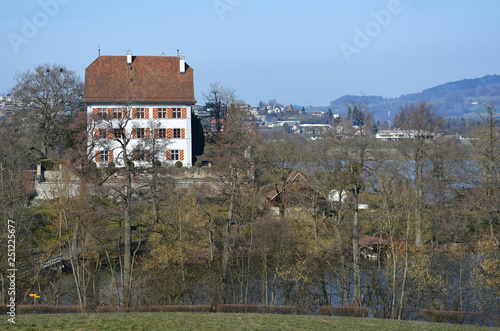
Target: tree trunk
pixel 355 252
pixel 403 286
pixel 227 239
pixel 341 253
pixel 127 257
pixel 418 209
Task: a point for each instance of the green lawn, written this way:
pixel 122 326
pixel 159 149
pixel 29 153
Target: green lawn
pixel 213 321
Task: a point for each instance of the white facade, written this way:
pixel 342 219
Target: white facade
pixel 160 129
pixel 397 134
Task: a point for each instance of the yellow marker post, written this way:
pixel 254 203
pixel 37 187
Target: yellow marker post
pixel 34 296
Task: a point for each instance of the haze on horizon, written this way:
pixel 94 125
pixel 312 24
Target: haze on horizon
pixel 306 53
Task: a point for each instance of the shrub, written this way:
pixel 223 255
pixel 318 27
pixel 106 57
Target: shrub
pixel 171 308
pixel 111 164
pixel 198 164
pixel 343 311
pixel 157 164
pixel 260 309
pixel 178 164
pixel 48 164
pixel 131 164
pixel 44 309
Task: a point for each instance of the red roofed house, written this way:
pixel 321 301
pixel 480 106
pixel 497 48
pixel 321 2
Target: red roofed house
pixel 140 102
pixel 299 194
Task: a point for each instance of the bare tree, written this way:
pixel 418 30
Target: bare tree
pixel 352 152
pixel 280 158
pixel 114 123
pixel 420 122
pixel 219 100
pixel 274 103
pixel 47 93
pixel 230 153
pixel 486 148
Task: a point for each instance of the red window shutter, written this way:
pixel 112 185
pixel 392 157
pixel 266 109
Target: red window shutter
pixel 134 133
pixel 110 112
pixel 148 133
pixel 96 134
pixel 169 112
pixel 97 156
pixel 170 133
pixel 181 155
pixel 111 156
pixel 109 133
pixel 134 112
pixel 184 112
pixel 148 156
pixel 94 112
pixel 155 112
pixel 146 113
pixel 168 155
pixel 156 133
pixel 183 133
pixel 134 155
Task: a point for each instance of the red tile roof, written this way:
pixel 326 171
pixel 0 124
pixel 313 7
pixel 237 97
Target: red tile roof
pixel 149 79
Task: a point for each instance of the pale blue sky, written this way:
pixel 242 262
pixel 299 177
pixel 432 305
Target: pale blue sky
pixel 301 52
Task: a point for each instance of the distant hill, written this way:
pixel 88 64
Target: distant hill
pixel 464 98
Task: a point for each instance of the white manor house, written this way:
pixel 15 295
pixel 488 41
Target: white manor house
pixel 139 108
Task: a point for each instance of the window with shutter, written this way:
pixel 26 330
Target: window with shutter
pixel 118 113
pixel 162 112
pixel 101 133
pixel 174 155
pixel 100 113
pixel 176 113
pixel 118 133
pixel 140 133
pixel 139 112
pixel 102 156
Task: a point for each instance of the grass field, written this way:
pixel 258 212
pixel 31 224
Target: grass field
pixel 218 321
